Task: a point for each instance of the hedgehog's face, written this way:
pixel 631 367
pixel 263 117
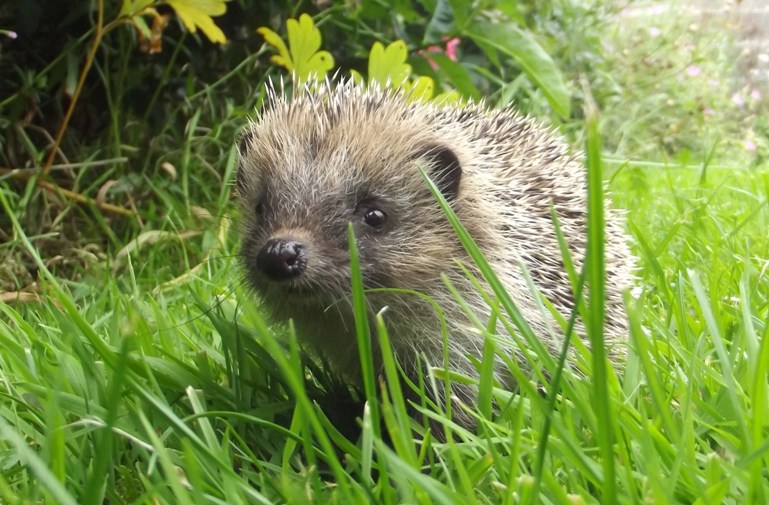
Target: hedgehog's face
pixel 298 194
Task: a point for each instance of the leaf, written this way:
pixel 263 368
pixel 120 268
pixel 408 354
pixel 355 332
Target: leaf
pixel 134 7
pixel 387 66
pixel 458 75
pixel 357 78
pixel 461 10
pixel 198 14
pixel 507 38
pixel 283 58
pixel 141 27
pixel 420 89
pixel 302 56
pixel 448 97
pixel 304 40
pixel 441 24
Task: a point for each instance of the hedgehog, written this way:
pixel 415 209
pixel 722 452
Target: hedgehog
pixel 331 155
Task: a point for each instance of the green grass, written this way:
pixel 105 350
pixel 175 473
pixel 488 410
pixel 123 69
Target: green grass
pixel 122 390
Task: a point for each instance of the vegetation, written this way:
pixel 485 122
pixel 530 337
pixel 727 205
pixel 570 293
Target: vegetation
pixel 136 368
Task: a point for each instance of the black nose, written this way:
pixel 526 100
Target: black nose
pixel 282 259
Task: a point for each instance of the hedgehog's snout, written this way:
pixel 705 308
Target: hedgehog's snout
pixel 282 259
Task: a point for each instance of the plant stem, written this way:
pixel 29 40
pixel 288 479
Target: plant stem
pixel 100 30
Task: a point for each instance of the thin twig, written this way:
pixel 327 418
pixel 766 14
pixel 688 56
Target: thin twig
pixel 26 174
pixel 77 197
pixel 18 296
pixel 99 32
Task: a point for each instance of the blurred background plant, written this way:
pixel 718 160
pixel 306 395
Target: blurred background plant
pixel 679 87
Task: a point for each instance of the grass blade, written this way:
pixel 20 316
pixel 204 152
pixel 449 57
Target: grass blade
pixel 595 268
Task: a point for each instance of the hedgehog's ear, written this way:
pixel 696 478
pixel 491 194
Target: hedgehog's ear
pixel 443 167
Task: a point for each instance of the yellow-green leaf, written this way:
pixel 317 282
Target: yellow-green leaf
pixel 448 97
pixel 304 39
pixel 357 78
pixel 388 65
pixel 141 25
pixel 134 7
pixel 303 56
pixel 283 58
pixel 420 89
pixel 198 14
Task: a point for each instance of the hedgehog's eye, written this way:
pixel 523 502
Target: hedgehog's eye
pixel 375 218
pixel 259 208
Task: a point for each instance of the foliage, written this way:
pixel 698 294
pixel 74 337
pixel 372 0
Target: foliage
pixel 682 90
pixel 198 13
pixel 304 60
pixel 118 108
pixel 387 66
pixel 136 369
pixel 193 13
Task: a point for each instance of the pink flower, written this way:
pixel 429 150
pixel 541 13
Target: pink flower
pixel 707 111
pixel 713 83
pixel 451 48
pixel 693 70
pixel 654 32
pixel 749 145
pixel 755 94
pixel 738 100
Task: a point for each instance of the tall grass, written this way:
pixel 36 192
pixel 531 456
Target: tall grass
pixel 185 395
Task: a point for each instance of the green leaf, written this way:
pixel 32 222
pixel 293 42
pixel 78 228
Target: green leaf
pixel 509 39
pixel 448 97
pixel 304 40
pixel 302 57
pixel 458 75
pixel 34 464
pixel 198 14
pixel 142 26
pixel 595 323
pixel 283 58
pixel 461 10
pixel 388 65
pixel 441 24
pixel 134 7
pixel 357 77
pixel 420 89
